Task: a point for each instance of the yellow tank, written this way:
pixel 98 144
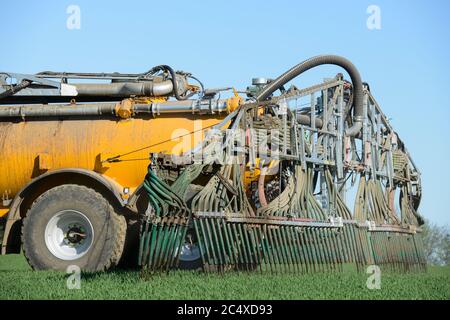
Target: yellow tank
pixel 32 148
pixel 89 154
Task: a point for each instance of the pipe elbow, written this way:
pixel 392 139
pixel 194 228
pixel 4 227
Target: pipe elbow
pixel 354 130
pixel 162 88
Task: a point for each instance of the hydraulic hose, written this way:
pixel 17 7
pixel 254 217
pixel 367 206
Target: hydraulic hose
pixel 15 89
pixel 358 114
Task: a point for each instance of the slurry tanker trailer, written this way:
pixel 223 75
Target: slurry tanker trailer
pixel 153 169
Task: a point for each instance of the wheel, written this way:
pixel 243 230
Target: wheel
pixel 73 225
pixel 190 257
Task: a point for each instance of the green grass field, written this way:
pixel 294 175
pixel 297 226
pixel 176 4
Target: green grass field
pixel 19 282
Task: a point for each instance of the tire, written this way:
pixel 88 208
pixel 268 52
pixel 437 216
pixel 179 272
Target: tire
pixel 190 265
pixel 73 225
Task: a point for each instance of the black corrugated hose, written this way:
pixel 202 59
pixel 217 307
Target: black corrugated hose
pixel 358 114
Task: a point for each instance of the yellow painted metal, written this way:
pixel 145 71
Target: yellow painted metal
pixel 3 212
pixel 31 148
pixel 253 175
pixel 235 101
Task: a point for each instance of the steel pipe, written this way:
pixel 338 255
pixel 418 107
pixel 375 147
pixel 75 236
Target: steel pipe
pixel 125 89
pixel 39 110
pixel 98 109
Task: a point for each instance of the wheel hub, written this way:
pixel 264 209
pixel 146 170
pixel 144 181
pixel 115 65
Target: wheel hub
pixel 69 235
pixel 75 235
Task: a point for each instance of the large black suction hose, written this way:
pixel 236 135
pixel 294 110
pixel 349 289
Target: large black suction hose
pixel 358 113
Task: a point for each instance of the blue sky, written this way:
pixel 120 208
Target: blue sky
pixel 406 62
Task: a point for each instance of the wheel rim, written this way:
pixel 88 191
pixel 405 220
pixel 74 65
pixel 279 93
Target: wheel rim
pixel 69 235
pixel 189 249
pixel 189 252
